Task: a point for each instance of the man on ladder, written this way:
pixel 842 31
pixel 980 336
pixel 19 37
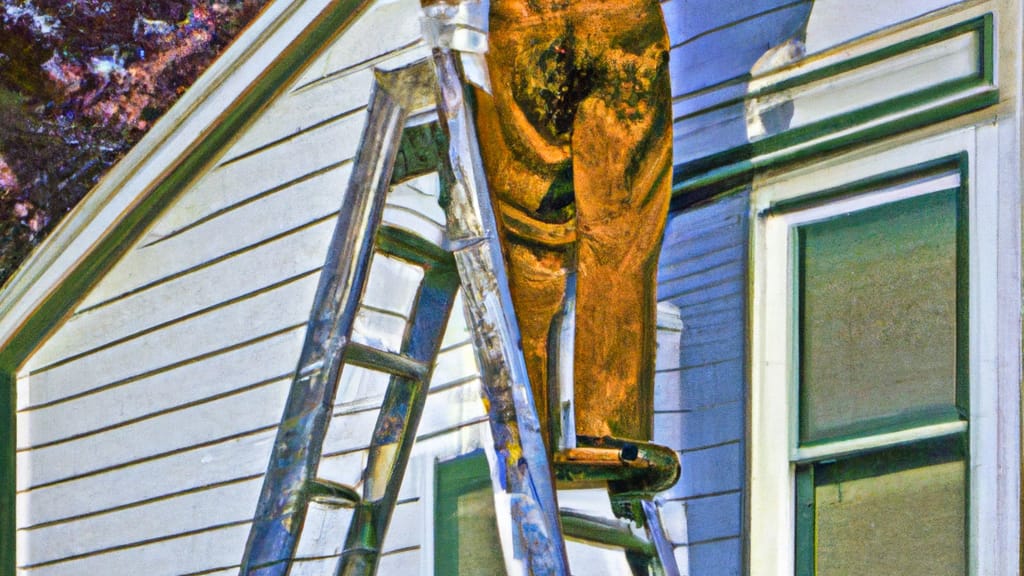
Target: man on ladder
pixel 576 140
pixel 584 150
pixel 573 115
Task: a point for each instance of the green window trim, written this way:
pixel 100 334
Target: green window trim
pixel 7 472
pixel 454 479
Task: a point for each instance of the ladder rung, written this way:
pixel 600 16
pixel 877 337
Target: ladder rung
pixel 331 493
pixel 396 364
pixel 407 246
pixel 603 531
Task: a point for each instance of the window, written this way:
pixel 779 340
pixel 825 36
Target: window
pixel 466 541
pixel 879 346
pixel 878 417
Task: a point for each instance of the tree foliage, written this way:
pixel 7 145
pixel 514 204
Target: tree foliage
pixel 80 83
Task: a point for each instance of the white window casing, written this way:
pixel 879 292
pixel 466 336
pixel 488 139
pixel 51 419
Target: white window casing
pixel 994 296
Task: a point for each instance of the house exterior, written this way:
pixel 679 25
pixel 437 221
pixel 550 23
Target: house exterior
pixel 839 335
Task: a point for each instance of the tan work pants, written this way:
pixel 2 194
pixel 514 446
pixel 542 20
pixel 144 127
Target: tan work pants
pixel 576 141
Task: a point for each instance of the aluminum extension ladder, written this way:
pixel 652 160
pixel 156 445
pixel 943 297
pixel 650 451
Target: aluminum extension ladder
pixel 633 471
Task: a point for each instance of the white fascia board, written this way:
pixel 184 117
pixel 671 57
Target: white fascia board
pixel 178 132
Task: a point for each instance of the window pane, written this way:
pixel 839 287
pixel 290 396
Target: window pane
pixel 878 317
pixel 479 543
pixel 909 521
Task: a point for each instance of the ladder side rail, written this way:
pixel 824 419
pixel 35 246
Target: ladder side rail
pixel 296 452
pixel 656 532
pixel 397 423
pixel 522 475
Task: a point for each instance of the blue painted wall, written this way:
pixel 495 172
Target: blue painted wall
pixel 714 45
pixel 703 271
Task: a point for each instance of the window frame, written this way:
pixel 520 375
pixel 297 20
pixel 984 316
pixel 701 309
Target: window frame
pixel 874 177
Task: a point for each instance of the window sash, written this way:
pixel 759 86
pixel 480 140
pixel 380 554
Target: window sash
pixel 926 199
pixel 879 463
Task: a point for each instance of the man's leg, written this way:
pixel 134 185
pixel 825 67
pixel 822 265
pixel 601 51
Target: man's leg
pixel 521 165
pixel 622 164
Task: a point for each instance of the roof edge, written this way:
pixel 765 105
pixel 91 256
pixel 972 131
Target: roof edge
pixel 186 139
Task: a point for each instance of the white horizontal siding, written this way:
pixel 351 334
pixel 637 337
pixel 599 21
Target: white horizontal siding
pixel 833 22
pixel 384 28
pixel 147 419
pixel 205 423
pixel 216 547
pixel 242 320
pixel 172 474
pixel 166 518
pixel 297 254
pixel 216 376
pixel 284 212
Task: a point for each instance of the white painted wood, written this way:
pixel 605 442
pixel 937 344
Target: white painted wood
pixel 420 195
pixel 587 558
pixel 682 554
pixel 833 22
pixel 193 553
pixel 1006 530
pixel 398 563
pixel 162 519
pixel 771 478
pixel 232 571
pixel 349 432
pixel 668 393
pixel 184 385
pixel 291 208
pixel 877 441
pixel 385 27
pixel 345 468
pixel 446 409
pixel 204 423
pixel 222 462
pixel 360 389
pixel 457 330
pixel 455 363
pixel 314 567
pixel 461 440
pixel 452 407
pixel 229 184
pixel 378 330
pixel 392 285
pixel 670 329
pixel 414 206
pixel 673 518
pixel 857 165
pixel 297 110
pixel 668 429
pixel 265 313
pixel 995 295
pixel 323 533
pixel 415 223
pixel 249 272
pixel 901 74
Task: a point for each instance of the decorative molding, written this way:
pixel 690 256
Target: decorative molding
pixel 853 94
